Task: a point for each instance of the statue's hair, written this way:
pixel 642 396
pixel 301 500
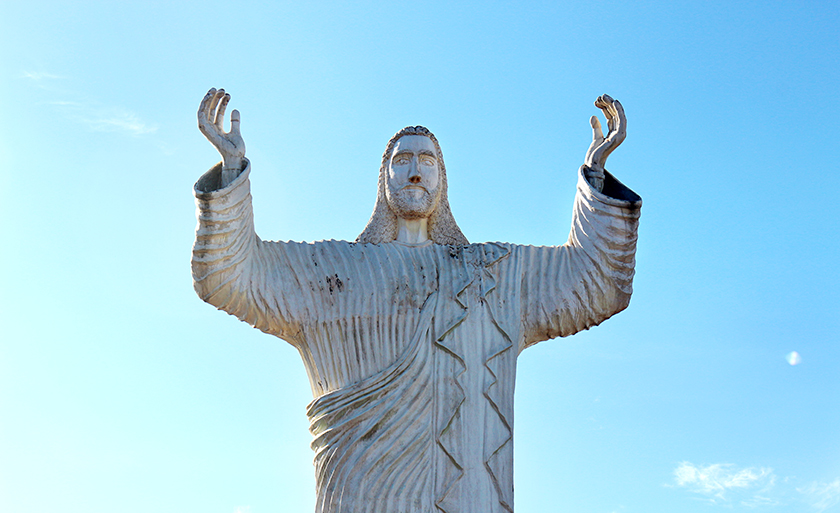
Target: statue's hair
pixel 382 226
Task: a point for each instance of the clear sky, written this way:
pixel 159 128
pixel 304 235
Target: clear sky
pixel 120 391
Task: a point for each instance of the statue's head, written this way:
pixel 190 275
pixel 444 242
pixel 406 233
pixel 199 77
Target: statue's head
pixel 412 185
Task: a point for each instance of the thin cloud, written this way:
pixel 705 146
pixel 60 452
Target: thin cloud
pixel 718 483
pixel 62 103
pixel 119 121
pixel 822 496
pixel 39 75
pixel 89 113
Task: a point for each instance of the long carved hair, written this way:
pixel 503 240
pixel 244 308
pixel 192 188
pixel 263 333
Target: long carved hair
pixel 382 226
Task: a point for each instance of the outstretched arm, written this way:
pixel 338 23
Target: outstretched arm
pixel 232 268
pixel 572 287
pixel 211 116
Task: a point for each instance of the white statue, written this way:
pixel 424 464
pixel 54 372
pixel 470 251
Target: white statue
pixel 410 334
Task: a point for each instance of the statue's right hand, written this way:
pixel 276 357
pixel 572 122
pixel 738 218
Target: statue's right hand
pixel 211 115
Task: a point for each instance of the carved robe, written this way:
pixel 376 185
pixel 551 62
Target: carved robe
pixel 411 350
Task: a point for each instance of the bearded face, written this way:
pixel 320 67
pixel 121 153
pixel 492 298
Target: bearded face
pixel 412 157
pixel 412 202
pixel 413 189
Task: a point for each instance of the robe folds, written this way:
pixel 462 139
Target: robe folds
pixel 411 350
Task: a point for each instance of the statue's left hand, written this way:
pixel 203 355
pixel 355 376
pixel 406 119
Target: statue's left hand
pixel 211 115
pixel 601 147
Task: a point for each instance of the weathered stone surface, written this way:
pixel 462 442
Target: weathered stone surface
pixel 410 335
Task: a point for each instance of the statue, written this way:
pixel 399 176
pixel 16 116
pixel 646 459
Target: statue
pixel 410 334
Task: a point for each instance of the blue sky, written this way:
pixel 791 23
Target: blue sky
pixel 121 391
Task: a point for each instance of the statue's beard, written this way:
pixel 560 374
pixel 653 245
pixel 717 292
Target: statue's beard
pixel 412 202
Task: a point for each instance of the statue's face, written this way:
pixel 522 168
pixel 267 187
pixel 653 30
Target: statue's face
pixel 413 177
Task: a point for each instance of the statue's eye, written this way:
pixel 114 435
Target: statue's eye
pixel 428 161
pixel 401 160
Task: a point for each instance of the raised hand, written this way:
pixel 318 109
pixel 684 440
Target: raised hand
pixel 211 115
pixel 601 147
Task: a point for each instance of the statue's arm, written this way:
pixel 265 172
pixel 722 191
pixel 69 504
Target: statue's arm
pixel 233 269
pixel 569 288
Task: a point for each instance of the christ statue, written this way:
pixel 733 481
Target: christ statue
pixel 410 333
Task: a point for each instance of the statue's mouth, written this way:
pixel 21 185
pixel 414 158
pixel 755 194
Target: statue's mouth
pixel 413 186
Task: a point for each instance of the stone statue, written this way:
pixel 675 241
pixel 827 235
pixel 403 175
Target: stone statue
pixel 410 334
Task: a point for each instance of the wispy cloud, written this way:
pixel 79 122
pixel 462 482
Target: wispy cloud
pixel 242 509
pixel 724 483
pixel 90 113
pixel 43 80
pixel 822 496
pixel 64 103
pixel 119 121
pixel 39 75
pixel 727 485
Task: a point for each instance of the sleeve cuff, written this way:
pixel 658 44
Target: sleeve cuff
pixel 614 193
pixel 209 185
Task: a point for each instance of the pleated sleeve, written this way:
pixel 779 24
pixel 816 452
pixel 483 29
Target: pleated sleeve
pixel 569 288
pixel 233 269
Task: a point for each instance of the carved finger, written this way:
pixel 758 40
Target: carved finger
pixel 603 102
pixel 220 114
pixel 619 131
pixel 614 110
pixel 621 127
pixel 599 102
pixel 597 132
pixel 203 109
pixel 211 114
pixel 597 140
pixel 206 100
pixel 609 112
pixel 234 123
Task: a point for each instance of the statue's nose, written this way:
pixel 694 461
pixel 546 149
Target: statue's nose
pixel 414 174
